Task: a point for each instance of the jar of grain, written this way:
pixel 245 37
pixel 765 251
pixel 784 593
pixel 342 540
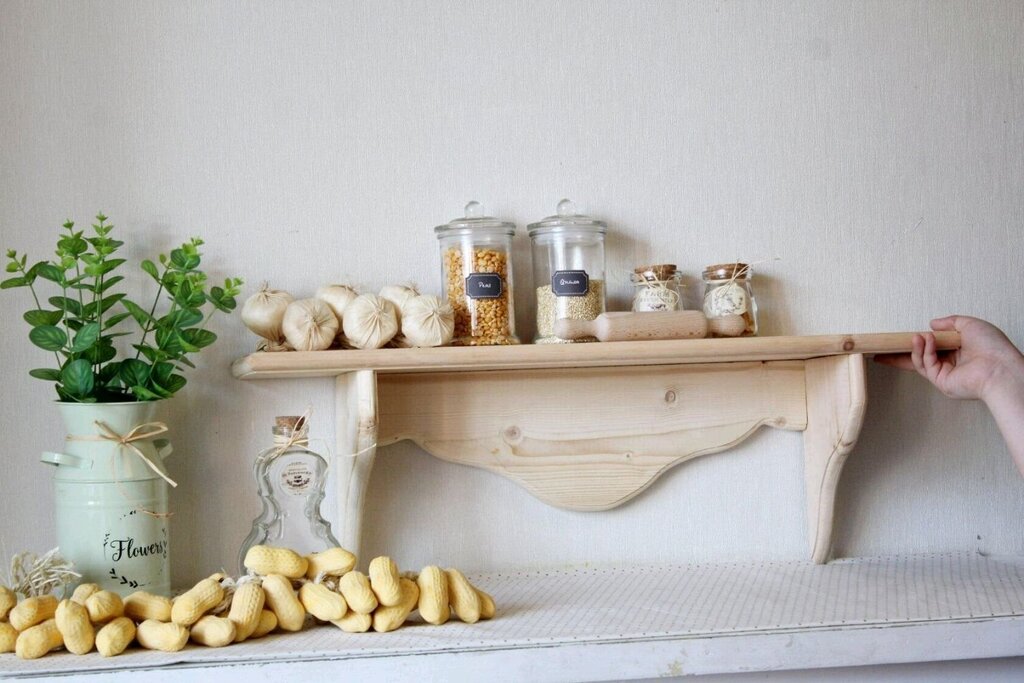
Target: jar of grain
pixel 568 270
pixel 476 267
pixel 727 290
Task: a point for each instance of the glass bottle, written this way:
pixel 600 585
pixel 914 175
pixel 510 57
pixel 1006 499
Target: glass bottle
pixel 727 290
pixel 657 288
pixel 568 270
pixel 290 480
pixel 476 269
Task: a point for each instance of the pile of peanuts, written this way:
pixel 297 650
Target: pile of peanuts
pixel 282 588
pixel 478 322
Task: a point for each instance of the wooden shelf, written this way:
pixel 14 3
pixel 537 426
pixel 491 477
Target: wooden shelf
pixel 589 426
pixel 617 623
pixel 538 356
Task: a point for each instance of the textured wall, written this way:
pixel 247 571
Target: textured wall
pixel 874 148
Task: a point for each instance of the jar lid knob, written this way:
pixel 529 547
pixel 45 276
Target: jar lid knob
pixel 474 209
pixel 566 208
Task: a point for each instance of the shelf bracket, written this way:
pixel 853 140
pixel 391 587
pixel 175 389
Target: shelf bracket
pixel 836 400
pixel 355 406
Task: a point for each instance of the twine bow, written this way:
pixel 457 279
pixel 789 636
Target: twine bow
pixel 142 432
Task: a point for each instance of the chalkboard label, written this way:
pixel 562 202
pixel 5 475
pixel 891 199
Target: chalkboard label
pixel 483 286
pixel 570 283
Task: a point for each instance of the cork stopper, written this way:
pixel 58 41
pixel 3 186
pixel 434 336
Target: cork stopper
pixel 659 271
pixel 290 422
pixel 727 271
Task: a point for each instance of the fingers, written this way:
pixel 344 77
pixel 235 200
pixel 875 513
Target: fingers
pixel 917 354
pixel 930 358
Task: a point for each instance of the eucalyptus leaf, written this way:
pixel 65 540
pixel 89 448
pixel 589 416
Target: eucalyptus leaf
pixel 40 317
pixel 48 337
pixel 77 379
pixel 86 337
pixel 48 374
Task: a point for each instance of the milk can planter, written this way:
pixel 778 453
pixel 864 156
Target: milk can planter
pixel 111 486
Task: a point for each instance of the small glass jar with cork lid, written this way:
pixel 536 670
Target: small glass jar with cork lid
pixel 727 290
pixel 476 269
pixel 656 288
pixel 568 270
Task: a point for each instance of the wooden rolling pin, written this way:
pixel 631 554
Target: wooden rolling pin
pixel 646 326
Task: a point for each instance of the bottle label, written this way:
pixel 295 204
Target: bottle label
pixel 570 283
pixel 484 286
pixel 726 299
pixel 297 478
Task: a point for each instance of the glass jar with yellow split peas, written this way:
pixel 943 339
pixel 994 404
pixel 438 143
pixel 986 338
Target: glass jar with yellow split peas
pixel 476 272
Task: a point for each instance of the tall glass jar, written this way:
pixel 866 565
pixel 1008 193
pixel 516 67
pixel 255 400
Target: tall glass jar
pixel 290 480
pixel 727 290
pixel 568 270
pixel 476 269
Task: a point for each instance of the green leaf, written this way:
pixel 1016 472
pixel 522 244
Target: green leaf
pixel 199 338
pixel 115 319
pixel 65 304
pixel 103 305
pixel 13 282
pixel 134 372
pixel 50 272
pixel 39 317
pixel 109 374
pixel 108 283
pixel 144 394
pixel 187 317
pixel 86 337
pixel 183 260
pixel 48 374
pixel 151 354
pixel 76 378
pixel 150 268
pixel 110 265
pixel 100 353
pixel 142 317
pixel 48 337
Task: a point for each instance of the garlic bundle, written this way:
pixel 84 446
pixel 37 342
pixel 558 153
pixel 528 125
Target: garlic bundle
pixel 399 295
pixel 309 325
pixel 263 313
pixel 338 297
pixel 428 321
pixel 370 322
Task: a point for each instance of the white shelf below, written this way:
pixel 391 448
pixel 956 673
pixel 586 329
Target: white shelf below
pixel 643 621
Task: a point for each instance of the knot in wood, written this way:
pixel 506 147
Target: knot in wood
pixel 670 397
pixel 513 435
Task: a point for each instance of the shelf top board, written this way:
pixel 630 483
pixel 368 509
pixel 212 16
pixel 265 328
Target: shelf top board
pixel 293 364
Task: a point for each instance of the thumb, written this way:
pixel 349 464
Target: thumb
pixel 950 322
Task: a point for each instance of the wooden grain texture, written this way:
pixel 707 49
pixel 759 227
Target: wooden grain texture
pixel 292 364
pixel 356 436
pixel 589 439
pixel 836 400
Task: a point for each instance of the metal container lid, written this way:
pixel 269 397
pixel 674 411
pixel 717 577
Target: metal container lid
pixel 566 219
pixel 475 222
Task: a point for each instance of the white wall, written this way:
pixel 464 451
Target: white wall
pixel 874 148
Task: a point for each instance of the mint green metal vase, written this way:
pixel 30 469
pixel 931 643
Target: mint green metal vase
pixel 111 506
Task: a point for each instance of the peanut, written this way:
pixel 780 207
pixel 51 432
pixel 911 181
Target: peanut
pixel 331 562
pixel 8 637
pixel 268 622
pixel 7 600
pixel 141 605
pixel 246 609
pixel 157 635
pixel 322 602
pixel 83 592
pixel 75 628
pixel 115 637
pixel 265 560
pixel 213 631
pixel 487 608
pixel 32 611
pixel 464 599
pixel 36 641
pixel 384 581
pixel 196 602
pixel 104 606
pixel 355 587
pixel 433 603
pixel 290 613
pixel 354 622
pixel 389 618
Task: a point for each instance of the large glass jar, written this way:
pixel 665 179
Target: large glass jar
pixel 568 270
pixel 727 290
pixel 476 269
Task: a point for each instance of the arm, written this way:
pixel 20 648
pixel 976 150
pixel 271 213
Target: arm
pixel 986 367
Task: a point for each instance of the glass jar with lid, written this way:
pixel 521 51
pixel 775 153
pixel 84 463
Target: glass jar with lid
pixel 476 270
pixel 568 270
pixel 727 290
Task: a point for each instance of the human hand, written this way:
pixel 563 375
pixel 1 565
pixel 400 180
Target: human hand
pixel 985 359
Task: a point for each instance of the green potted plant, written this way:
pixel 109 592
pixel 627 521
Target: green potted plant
pixel 111 485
